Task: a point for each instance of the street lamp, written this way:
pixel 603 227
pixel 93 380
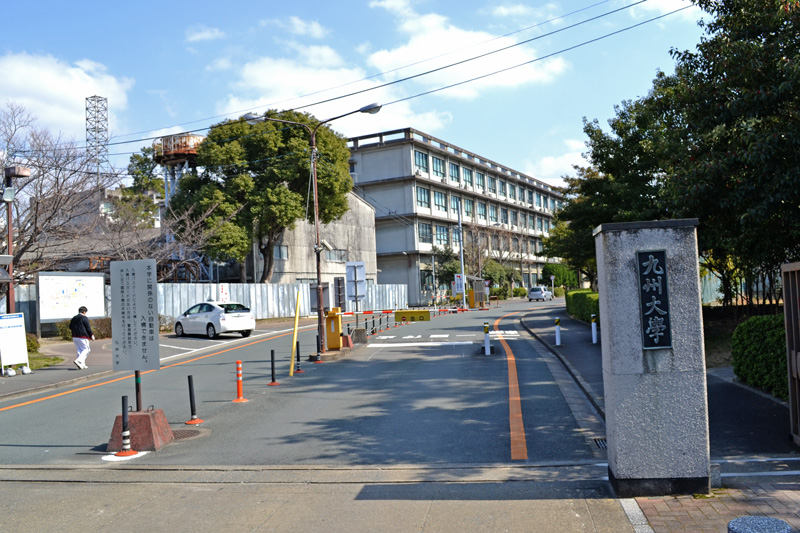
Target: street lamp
pixel 8 197
pixel 253 118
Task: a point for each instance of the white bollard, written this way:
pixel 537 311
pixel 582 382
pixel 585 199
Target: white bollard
pixel 487 350
pixel 594 329
pixel 558 332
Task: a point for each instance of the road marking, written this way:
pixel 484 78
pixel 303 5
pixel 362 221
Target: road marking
pixel 440 336
pixel 413 337
pixel 501 332
pixel 519 447
pixel 385 337
pixel 424 343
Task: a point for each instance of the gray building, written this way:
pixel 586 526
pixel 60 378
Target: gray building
pixel 417 185
pixel 351 238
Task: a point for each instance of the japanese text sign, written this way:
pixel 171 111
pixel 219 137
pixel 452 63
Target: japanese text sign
pixel 134 315
pixel 654 299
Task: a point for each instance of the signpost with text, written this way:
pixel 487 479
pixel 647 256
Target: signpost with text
pixel 134 315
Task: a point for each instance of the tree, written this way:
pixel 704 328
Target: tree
pixel 740 171
pixel 266 168
pixel 59 201
pixel 564 277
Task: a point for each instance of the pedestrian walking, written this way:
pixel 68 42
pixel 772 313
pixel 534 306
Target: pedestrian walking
pixel 81 335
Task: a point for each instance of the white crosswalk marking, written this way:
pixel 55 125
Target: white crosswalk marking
pixel 413 337
pixel 384 337
pixel 439 336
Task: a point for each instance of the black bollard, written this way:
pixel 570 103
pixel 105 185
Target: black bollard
pixel 126 434
pixel 272 359
pixel 194 420
pixel 298 370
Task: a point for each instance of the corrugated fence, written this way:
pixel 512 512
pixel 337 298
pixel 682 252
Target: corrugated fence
pixel 266 299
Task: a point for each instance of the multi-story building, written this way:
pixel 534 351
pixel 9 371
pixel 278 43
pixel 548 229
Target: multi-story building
pixel 419 185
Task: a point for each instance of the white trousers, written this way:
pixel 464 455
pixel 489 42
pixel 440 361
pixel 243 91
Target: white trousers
pixel 82 345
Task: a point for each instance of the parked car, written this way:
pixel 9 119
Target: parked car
pixel 212 318
pixel 539 293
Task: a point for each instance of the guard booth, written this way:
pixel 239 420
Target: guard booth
pixel 790 276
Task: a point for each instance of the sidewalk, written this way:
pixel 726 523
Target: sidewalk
pixel 742 423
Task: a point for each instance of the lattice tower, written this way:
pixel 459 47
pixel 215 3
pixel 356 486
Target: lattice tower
pixel 97 131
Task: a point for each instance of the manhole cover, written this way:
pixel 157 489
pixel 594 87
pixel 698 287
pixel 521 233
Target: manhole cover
pixel 179 434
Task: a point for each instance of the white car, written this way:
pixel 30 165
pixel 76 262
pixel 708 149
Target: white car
pixel 540 293
pixel 212 318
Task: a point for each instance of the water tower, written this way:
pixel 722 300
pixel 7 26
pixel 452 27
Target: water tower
pixel 177 154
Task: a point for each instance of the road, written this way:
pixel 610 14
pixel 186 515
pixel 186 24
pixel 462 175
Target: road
pixel 419 394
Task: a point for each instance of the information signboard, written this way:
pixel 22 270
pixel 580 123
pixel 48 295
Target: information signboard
pixel 134 315
pixel 60 294
pixel 654 299
pixel 356 273
pixel 13 345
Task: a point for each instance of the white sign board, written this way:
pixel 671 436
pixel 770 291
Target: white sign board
pixel 62 293
pixel 459 284
pixel 134 315
pixel 13 345
pixel 356 281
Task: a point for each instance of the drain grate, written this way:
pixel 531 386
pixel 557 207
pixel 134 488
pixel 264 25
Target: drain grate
pixel 179 434
pixel 601 443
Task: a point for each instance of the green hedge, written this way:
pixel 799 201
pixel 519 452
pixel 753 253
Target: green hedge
pixel 758 350
pixel 559 292
pixel 582 304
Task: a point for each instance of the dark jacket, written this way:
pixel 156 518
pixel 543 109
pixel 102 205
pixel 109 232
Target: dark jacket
pixel 80 327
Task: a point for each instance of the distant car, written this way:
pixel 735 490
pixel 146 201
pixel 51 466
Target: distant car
pixel 540 293
pixel 212 318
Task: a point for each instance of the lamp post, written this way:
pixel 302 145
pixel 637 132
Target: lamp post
pixel 253 118
pixel 8 197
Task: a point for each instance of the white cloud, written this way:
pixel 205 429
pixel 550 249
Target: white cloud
pixel 203 33
pixel 56 91
pixel 317 56
pixel 433 32
pixel 219 64
pixel 550 169
pixel 312 28
pixel 512 10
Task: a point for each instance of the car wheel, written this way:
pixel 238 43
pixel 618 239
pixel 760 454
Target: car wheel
pixel 246 333
pixel 211 331
pixel 179 329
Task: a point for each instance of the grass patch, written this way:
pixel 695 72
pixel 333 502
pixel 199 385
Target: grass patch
pixel 36 362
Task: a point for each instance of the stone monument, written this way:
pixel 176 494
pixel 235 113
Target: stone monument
pixel 653 358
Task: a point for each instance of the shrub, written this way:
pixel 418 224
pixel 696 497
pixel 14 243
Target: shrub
pixel 165 323
pixel 582 304
pixel 63 330
pixel 33 343
pixel 758 351
pixel 101 327
pixel 500 292
pixel 558 292
pixel 520 292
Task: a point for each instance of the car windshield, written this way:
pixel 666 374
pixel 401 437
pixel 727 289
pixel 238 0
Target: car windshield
pixel 234 308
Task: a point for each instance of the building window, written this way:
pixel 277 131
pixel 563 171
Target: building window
pixel 455 203
pixel 421 160
pixel 482 210
pixel 495 242
pixel 502 188
pixel 425 233
pixel 442 235
pixel 523 219
pixel 538 199
pixel 530 197
pixel 467 176
pixel 280 252
pixel 438 166
pixel 423 197
pixel 547 225
pixel 531 221
pixel 480 180
pixel 493 213
pixel 503 215
pixel 512 192
pixel 468 207
pixel 440 199
pixel 552 204
pixel 513 218
pixel 515 244
pixel 539 223
pixel 336 256
pixel 492 184
pixel 454 175
pixel 531 245
pixel 539 246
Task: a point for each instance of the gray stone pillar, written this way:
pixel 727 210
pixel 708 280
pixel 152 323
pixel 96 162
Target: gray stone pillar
pixel 653 358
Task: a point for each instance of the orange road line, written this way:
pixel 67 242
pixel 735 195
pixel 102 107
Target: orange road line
pixel 519 447
pixel 108 382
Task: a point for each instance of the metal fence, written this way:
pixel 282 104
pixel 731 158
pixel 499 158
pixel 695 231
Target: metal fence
pixel 267 300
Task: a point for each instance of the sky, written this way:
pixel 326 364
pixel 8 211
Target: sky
pixel 169 67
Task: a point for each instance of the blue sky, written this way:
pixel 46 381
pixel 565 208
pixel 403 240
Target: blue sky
pixel 167 67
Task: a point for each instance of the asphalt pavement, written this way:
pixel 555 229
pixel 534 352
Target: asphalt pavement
pixel 749 438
